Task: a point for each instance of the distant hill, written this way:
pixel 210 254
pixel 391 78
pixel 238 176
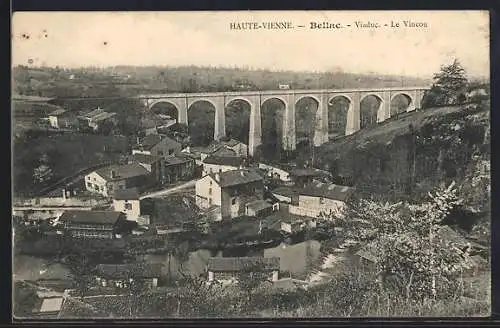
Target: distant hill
pixel 129 80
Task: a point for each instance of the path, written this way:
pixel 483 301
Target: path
pixel 172 190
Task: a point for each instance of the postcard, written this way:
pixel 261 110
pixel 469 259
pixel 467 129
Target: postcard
pixel 251 164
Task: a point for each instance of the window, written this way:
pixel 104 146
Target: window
pixel 233 201
pixel 209 191
pixel 89 185
pixel 110 187
pixel 160 153
pixel 210 182
pixel 88 178
pixel 128 206
pixel 170 151
pixel 321 200
pixel 94 178
pixel 220 170
pixel 210 201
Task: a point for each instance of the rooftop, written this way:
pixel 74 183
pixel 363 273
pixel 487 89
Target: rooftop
pixel 327 190
pixel 235 264
pixel 174 160
pixel 137 270
pixel 93 217
pixel 259 205
pixel 145 159
pixel 51 304
pixel 103 116
pixel 93 113
pixel 286 191
pixel 308 172
pixel 236 177
pixel 235 161
pixel 152 140
pixel 122 171
pixel 126 194
pixel 58 112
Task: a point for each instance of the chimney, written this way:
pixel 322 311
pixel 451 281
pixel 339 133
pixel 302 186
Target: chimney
pixel 113 174
pixel 64 193
pixel 138 140
pixel 217 177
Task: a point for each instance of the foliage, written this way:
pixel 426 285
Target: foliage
pixel 449 86
pixel 408 241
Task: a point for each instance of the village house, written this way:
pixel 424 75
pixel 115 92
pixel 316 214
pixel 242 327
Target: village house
pixel 47 307
pixel 230 191
pixel 259 208
pixel 178 168
pixel 127 201
pixel 304 176
pixel 97 118
pixel 286 195
pixel 276 172
pixel 91 224
pixel 157 145
pixel 317 199
pixel 61 118
pixel 153 164
pixel 107 180
pixel 213 164
pixel 232 145
pixel 227 269
pixel 122 275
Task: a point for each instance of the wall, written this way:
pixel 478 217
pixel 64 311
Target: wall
pixel 244 195
pixel 203 192
pixel 133 213
pixel 59 201
pixel 313 207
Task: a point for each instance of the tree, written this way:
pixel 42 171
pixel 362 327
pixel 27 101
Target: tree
pixel 251 277
pixel 42 173
pixel 449 87
pixel 408 241
pixel 81 267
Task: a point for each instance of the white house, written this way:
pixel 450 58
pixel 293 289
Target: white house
pixel 107 180
pixel 231 191
pixel 321 198
pixel 127 201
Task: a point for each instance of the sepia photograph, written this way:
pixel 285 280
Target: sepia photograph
pixel 250 164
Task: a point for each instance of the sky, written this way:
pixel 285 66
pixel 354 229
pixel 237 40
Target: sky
pixel 76 39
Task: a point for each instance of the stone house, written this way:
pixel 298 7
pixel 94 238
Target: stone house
pixel 122 275
pixel 230 191
pixel 91 224
pixel 157 145
pixel 228 269
pixel 127 201
pixel 215 164
pixel 105 181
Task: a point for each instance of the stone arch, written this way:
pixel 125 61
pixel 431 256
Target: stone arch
pixel 395 109
pixel 337 116
pixel 370 116
pixel 306 121
pixel 265 98
pixel 166 101
pixel 201 123
pixel 192 101
pixel 272 126
pixel 238 126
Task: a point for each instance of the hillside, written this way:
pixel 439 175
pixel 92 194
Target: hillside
pixel 405 157
pixel 129 80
